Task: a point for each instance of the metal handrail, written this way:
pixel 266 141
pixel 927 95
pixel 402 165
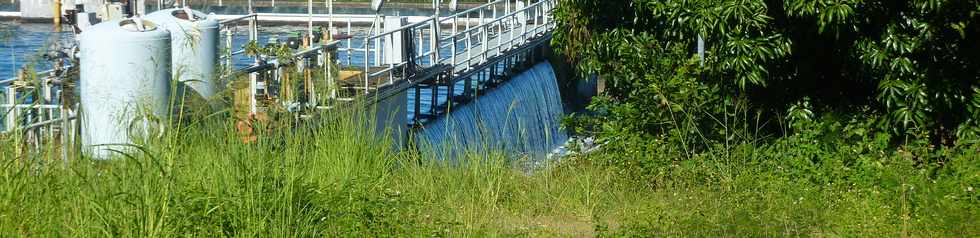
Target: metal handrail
pixel 485 28
pixel 226 21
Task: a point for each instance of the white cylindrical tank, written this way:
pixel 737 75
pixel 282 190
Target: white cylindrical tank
pixel 124 84
pixel 195 47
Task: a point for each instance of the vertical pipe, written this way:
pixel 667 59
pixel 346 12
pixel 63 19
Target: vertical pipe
pixel 537 13
pixel 309 22
pixel 420 49
pixel 512 19
pixel 11 113
pixel 468 87
pixel 500 34
pixel 484 40
pixel 452 51
pixel 523 24
pixel 450 94
pixel 377 40
pixel 367 65
pixel 434 41
pixel 483 33
pixel 64 135
pixel 228 49
pixel 253 27
pixel 330 15
pixel 452 43
pixel 701 49
pixel 328 61
pixel 434 90
pixel 57 15
pixel 494 9
pixel 418 104
pixel 252 77
pixel 350 41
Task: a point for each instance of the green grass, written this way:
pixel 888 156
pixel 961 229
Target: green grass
pixel 335 178
pixel 323 179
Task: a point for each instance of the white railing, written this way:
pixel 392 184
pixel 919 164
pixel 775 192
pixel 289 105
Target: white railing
pixel 496 32
pixel 462 40
pixel 39 109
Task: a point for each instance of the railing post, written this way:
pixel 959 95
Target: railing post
pixel 434 40
pixel 228 49
pixel 253 34
pixel 350 42
pixel 452 42
pixel 523 24
pixel 377 42
pixel 469 49
pixel 420 49
pixel 512 20
pixel 253 77
pixel 367 65
pixel 500 33
pixel 452 51
pixel 483 35
pixel 537 14
pixel 11 112
pixel 64 135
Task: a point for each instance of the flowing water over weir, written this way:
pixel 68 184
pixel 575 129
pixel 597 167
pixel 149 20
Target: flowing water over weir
pixel 474 81
pixel 520 116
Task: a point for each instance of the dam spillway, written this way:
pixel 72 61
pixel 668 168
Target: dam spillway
pixel 520 116
pixel 477 66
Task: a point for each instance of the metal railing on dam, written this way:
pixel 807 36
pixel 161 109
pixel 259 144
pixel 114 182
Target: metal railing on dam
pixel 444 60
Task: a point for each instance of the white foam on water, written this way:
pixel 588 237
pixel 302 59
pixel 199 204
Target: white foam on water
pixel 520 117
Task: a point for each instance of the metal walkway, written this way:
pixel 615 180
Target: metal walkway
pixel 473 49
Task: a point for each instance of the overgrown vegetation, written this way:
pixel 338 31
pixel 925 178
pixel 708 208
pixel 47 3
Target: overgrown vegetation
pixel 832 102
pixel 807 118
pixel 331 178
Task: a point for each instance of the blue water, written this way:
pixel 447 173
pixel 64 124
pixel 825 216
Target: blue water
pixel 7 6
pixel 22 44
pixel 520 116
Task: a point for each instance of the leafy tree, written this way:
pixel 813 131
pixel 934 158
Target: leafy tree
pixel 917 62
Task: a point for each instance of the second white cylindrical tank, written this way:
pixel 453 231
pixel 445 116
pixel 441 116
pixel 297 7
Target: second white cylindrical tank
pixel 124 84
pixel 195 47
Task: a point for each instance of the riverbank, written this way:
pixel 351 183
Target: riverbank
pixel 333 180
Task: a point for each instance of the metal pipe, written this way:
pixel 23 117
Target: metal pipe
pixel 367 66
pixel 239 18
pixel 350 41
pixel 330 14
pixel 228 49
pixel 11 113
pixel 309 11
pixel 434 41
